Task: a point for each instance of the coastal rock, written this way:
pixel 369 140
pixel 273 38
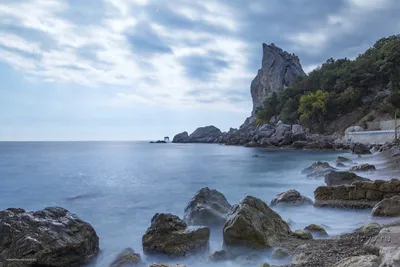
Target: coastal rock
pixel 53 237
pixel 359 195
pixel 343 160
pixel 208 207
pixel 353 129
pixel 220 255
pixel 279 70
pixel 318 169
pixel 342 178
pixel 181 138
pixel 127 258
pixel 358 261
pixel 253 224
pixel 360 149
pixel 302 234
pixel 266 133
pixel 316 230
pixel 363 167
pixel 298 133
pixel 207 134
pixel 282 131
pixel 291 198
pixel 169 235
pixel 280 253
pixel 389 207
pixel 299 144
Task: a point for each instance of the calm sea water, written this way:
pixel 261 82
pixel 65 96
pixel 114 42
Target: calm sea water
pixel 119 186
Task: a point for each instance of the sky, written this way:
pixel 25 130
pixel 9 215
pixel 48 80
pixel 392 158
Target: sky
pixel 145 69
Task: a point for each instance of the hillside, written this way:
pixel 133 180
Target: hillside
pixel 341 92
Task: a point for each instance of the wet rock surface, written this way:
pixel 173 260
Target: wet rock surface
pixel 363 167
pixel 291 198
pixel 318 169
pixel 170 236
pixel 342 178
pixel 127 258
pixel 389 207
pixel 52 237
pixel 208 208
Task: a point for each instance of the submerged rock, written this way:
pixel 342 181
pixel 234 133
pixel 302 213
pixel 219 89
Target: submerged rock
pixel 219 255
pixel 52 237
pixel 343 160
pixel 207 207
pixel 280 253
pixel 342 178
pixel 253 224
pixel 169 235
pixel 363 167
pixel 318 169
pixel 291 197
pixel 389 207
pixel 303 234
pixel 127 258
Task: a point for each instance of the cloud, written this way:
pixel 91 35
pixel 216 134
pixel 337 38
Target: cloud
pixel 180 53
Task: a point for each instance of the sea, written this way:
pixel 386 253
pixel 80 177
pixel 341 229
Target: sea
pixel 118 186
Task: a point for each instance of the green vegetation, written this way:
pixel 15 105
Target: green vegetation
pixel 338 87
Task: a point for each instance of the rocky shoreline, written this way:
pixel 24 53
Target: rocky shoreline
pixel 251 229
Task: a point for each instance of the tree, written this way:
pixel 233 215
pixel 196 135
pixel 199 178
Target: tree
pixel 269 108
pixel 289 112
pixel 312 109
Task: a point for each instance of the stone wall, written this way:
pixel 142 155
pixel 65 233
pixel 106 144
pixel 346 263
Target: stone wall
pixel 371 137
pixel 381 125
pixel 358 195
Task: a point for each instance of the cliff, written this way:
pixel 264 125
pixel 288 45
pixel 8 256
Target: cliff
pixel 279 70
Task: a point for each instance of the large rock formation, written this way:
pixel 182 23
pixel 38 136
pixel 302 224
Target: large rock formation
pixel 279 69
pixel 357 195
pixel 253 224
pixel 342 178
pixel 170 236
pixel 49 237
pixel 181 138
pixel 207 134
pixel 207 207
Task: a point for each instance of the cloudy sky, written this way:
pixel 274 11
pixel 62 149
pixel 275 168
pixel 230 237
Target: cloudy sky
pixel 142 69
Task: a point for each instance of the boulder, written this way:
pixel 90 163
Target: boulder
pixel 352 129
pixel 52 237
pixel 359 195
pixel 279 69
pixel 316 230
pixel 253 224
pixel 340 165
pixel 342 178
pixel 127 258
pixel 208 207
pixel 282 130
pixel 266 133
pixel 291 198
pixel 389 207
pixel 363 167
pixel 358 261
pixel 220 255
pixel 181 138
pixel 368 227
pixel 318 169
pixel 360 149
pixel 343 160
pixel 298 133
pixel 299 144
pixel 302 234
pixel 252 144
pixel 169 235
pixel 207 134
pixel 280 253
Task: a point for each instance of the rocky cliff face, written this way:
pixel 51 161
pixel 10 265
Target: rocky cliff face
pixel 279 70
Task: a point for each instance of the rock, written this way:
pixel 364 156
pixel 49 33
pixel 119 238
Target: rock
pixel 181 138
pixel 253 224
pixel 280 253
pixel 342 178
pixel 205 134
pixel 291 198
pixel 166 265
pixel 266 133
pixel 250 259
pixel 318 169
pixel 208 207
pixel 317 230
pixel 363 167
pixel 287 139
pixel 360 149
pixel 279 70
pixel 302 234
pixel 359 195
pixel 389 207
pixel 265 265
pixel 169 235
pixel 53 237
pixel 299 144
pixel 340 165
pixel 252 144
pixel 343 160
pixel 368 227
pixel 298 133
pixel 352 129
pixel 358 261
pixel 127 258
pixel 220 255
pixel 282 131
